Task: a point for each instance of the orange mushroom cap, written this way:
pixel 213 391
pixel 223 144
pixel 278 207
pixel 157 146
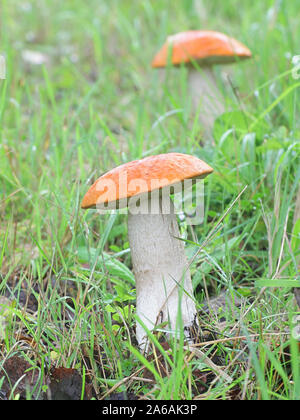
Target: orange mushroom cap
pixel 207 47
pixel 143 176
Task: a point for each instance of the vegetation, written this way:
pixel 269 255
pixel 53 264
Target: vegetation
pixel 89 101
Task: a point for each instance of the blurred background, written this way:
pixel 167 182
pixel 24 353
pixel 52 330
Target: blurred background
pixel 80 97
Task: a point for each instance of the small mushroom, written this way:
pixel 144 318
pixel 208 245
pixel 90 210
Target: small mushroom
pixel 202 49
pixel 163 281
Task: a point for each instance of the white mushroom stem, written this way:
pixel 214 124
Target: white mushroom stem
pixel 163 281
pixel 207 99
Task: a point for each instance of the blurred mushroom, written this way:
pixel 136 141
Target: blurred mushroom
pixel 202 49
pixel 163 281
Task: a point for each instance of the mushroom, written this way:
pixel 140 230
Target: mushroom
pixel 202 49
pixel 163 281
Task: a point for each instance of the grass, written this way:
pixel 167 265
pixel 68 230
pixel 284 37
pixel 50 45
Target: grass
pixel 96 103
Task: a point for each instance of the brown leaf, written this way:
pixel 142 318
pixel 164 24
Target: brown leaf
pixel 66 384
pixel 15 368
pixel 160 364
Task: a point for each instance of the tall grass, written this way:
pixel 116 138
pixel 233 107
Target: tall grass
pixel 96 103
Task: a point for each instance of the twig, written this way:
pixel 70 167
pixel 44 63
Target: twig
pixel 211 364
pixel 242 337
pixel 122 382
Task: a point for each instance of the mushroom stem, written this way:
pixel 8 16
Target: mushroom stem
pixel 160 267
pixel 206 96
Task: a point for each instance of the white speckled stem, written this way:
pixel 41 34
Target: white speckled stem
pixel 159 263
pixel 208 100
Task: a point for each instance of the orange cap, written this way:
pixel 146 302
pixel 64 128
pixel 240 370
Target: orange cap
pixel 208 47
pixel 143 176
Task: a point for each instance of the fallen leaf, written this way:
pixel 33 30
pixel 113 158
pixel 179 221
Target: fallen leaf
pixel 19 379
pixel 67 384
